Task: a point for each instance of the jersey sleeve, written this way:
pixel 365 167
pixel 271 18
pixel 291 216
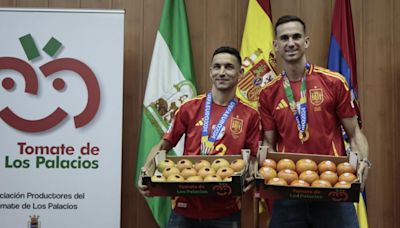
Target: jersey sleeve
pixel 267 120
pixel 345 106
pixel 177 128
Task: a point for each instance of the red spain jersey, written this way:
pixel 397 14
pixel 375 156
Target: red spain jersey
pixel 328 101
pixel 241 131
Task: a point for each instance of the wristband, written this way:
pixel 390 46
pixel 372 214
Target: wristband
pixel 369 164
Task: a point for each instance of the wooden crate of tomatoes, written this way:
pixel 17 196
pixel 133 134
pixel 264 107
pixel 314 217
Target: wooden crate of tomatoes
pixel 196 175
pixel 307 177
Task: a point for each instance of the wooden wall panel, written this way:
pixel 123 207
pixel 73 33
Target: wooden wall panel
pixel 378 100
pixel 221 28
pixel 241 14
pixel 64 3
pixel 197 25
pixel 220 22
pixel 151 22
pixel 96 4
pixel 134 210
pixel 30 3
pixel 318 29
pixel 7 3
pixel 396 104
pixel 284 7
pixel 357 8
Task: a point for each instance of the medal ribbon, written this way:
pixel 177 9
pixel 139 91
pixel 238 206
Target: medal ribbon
pixel 207 144
pixel 299 109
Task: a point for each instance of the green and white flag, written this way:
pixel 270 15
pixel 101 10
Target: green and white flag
pixel 170 83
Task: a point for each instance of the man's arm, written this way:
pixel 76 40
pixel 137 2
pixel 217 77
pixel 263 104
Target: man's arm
pixel 358 141
pixel 359 144
pixel 162 145
pixel 270 140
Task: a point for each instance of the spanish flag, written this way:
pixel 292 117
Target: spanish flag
pixel 259 61
pixel 257 51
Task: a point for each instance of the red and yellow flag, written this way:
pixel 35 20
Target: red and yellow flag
pixel 257 51
pixel 259 60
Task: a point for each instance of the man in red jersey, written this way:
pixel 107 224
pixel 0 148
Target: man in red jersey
pixel 302 111
pixel 215 123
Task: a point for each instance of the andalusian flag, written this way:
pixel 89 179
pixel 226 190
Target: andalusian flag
pixel 342 58
pixel 170 83
pixel 257 51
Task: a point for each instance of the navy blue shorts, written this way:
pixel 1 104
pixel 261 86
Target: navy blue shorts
pixel 301 214
pixel 179 221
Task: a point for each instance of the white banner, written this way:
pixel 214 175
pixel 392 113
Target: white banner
pixel 61 75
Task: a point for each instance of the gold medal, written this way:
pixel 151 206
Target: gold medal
pixel 207 147
pixel 304 136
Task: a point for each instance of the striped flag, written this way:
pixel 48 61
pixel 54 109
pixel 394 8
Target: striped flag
pixel 342 50
pixel 170 83
pixel 257 51
pixel 342 59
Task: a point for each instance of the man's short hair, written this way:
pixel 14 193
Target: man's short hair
pixel 229 50
pixel 289 18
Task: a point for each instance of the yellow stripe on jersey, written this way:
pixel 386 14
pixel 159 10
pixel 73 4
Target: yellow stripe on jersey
pixel 329 72
pixel 248 105
pixel 199 97
pixel 311 68
pixel 326 70
pixel 332 74
pixel 334 150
